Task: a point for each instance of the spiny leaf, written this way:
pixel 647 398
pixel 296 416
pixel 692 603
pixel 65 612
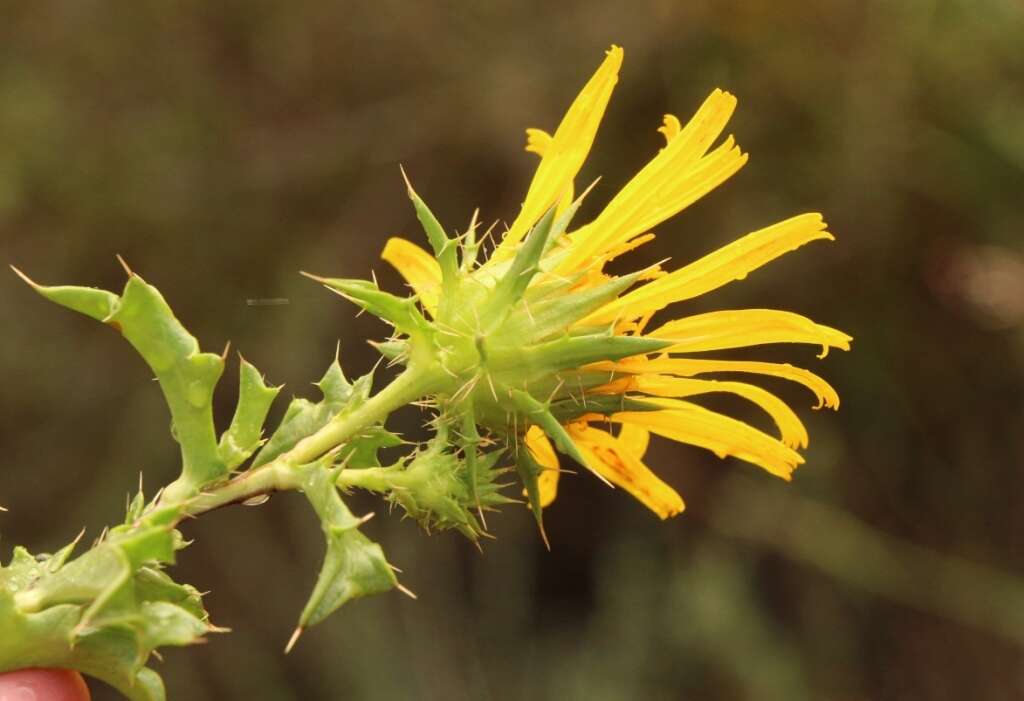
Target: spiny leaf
pixel 243 435
pixel 400 312
pixel 187 376
pixel 470 442
pixel 538 413
pixel 391 349
pixel 525 265
pixel 575 351
pixel 551 315
pixel 354 566
pixel 102 613
pixel 444 247
pixel 93 302
pixel 568 409
pixel 529 472
pixel 304 418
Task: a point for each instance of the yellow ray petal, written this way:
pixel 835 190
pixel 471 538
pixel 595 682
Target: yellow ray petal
pixel 567 150
pixel 418 267
pixel 634 438
pixel 544 453
pixel 675 178
pixel 687 367
pixel 731 262
pixel 791 430
pixel 738 328
pixel 689 423
pixel 615 462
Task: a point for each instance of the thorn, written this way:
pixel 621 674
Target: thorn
pixel 157 655
pixel 316 278
pixel 27 280
pixel 476 544
pixel 408 185
pixel 124 265
pixel 337 351
pixel 2 509
pixel 488 234
pixel 364 519
pixel 376 365
pixel 292 640
pixel 561 381
pixel 394 568
pixel 75 542
pixel 526 308
pixel 405 590
pixel 544 536
pixel 224 353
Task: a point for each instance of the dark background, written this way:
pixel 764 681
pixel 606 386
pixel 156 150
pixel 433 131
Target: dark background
pixel 221 147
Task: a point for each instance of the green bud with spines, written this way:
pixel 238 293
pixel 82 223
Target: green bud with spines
pixel 438 485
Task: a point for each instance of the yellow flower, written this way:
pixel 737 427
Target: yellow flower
pixel 653 390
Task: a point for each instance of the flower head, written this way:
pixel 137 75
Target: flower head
pixel 545 352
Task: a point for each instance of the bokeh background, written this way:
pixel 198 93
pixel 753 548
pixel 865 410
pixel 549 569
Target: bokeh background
pixel 221 147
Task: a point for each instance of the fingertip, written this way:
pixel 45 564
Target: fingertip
pixel 43 685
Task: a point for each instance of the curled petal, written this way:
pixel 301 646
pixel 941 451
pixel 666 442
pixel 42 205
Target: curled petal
pixel 791 430
pixel 689 423
pixel 738 328
pixel 614 461
pixel 688 367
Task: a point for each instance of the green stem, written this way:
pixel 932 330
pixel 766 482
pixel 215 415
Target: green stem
pixel 411 385
pixel 281 475
pixel 272 477
pixel 372 479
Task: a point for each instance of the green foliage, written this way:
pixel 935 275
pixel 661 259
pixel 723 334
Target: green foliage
pixel 354 566
pixel 186 375
pixel 340 397
pixel 104 612
pixel 400 312
pixel 529 472
pixel 510 288
pixel 244 434
pixel 443 246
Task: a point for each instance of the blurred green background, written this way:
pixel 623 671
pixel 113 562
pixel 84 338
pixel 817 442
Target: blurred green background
pixel 221 147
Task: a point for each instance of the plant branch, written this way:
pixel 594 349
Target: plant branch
pixel 281 473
